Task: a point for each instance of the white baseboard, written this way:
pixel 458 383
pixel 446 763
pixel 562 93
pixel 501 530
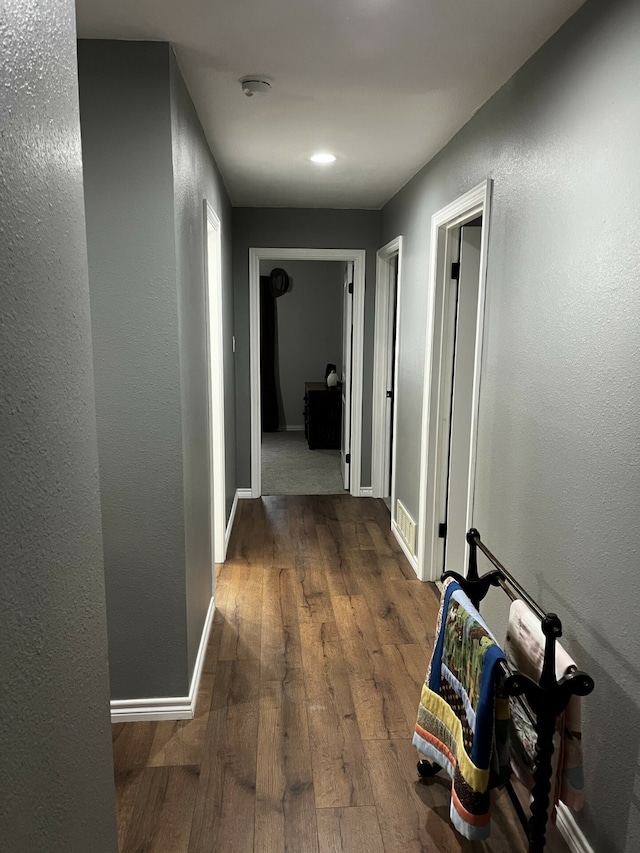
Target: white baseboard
pixel 171 707
pixel 366 492
pixel 243 494
pixel 413 560
pixel 150 710
pixel 292 428
pixel 202 652
pixel 232 518
pixel 570 831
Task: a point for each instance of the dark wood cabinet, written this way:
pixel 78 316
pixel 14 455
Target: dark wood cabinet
pixel 322 416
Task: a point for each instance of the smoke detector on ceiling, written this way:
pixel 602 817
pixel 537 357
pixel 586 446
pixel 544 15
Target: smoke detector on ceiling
pixel 254 86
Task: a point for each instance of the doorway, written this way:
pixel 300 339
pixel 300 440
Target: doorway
pixel 388 271
pixel 352 453
pixel 455 320
pixel 301 306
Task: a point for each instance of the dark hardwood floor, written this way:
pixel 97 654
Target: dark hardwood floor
pixel 302 735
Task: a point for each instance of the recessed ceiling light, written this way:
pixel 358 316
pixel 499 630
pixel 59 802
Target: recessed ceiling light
pixel 322 157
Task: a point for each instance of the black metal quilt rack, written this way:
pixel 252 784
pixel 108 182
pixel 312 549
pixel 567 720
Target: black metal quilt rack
pixel 542 701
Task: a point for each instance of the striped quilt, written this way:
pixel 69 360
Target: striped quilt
pixel 462 725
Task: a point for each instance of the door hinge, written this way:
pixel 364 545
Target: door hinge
pixel 442 530
pixel 350 287
pixel 347 458
pixel 455 270
pixel 390 395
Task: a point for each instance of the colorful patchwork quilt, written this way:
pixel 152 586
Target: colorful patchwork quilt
pixel 462 723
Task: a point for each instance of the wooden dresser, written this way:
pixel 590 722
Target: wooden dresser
pixel 322 416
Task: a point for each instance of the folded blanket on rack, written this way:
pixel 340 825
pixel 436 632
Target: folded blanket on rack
pixel 462 725
pixel 524 646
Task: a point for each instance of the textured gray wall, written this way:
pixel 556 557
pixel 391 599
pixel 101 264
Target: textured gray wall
pixel 309 324
pixel 126 139
pixel 293 229
pixel 56 776
pixel 195 177
pixel 558 483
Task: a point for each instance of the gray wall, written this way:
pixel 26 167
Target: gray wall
pixel 195 177
pixel 56 775
pixel 557 485
pixel 309 327
pixel 284 228
pixel 147 171
pixel 126 140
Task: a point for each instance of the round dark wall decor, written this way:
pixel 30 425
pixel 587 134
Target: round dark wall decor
pixel 279 281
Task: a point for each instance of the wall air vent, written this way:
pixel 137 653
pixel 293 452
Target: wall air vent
pixel 406 527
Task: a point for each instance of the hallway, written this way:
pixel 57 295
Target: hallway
pixel 302 739
pixel 289 467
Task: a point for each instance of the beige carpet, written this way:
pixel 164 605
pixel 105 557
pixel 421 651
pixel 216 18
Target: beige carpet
pixel 290 468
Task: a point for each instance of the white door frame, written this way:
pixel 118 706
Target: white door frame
pixel 384 412
pixel 476 202
pixel 215 365
pixel 358 258
pixel 345 373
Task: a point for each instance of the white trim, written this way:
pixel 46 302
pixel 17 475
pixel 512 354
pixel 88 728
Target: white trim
pixel 202 653
pixel 215 344
pixel 244 494
pixel 293 428
pixel 232 518
pixel 254 372
pixel 570 830
pixel 472 204
pixel 410 557
pixel 150 710
pixel 357 363
pixel 381 454
pixel 366 492
pixel 172 707
pixel 345 374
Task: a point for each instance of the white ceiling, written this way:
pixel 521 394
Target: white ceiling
pixel 384 84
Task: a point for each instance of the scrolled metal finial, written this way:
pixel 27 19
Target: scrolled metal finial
pixel 579 683
pixel 551 625
pixel 472 535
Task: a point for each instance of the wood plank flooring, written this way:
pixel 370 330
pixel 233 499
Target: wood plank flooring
pixel 302 736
